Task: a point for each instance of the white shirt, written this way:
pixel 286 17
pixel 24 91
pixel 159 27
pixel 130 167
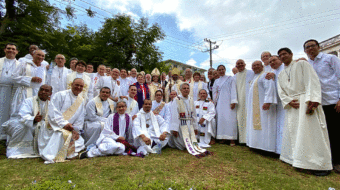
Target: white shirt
pixel 327 68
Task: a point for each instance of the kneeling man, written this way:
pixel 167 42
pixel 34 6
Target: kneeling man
pixel 149 130
pixel 97 111
pixel 65 122
pixel 116 137
pixel 23 133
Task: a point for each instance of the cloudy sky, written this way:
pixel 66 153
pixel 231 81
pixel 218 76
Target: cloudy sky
pixel 241 29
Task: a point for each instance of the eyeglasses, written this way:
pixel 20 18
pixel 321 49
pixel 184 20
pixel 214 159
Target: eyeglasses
pixel 311 46
pixel 59 58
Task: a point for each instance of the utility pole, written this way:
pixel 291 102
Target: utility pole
pixel 210 49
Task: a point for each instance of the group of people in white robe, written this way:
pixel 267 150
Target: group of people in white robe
pixel 56 113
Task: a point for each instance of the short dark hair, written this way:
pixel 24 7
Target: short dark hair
pixel 147 99
pixel 311 40
pixel 11 43
pixel 220 66
pixel 159 91
pixel 132 86
pixel 196 73
pixel 105 87
pixel 81 62
pixel 140 75
pixel 285 49
pixel 73 58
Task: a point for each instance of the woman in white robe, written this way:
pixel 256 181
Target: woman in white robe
pixel 225 98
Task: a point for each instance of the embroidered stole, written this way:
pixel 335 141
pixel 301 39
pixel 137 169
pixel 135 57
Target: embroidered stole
pixel 167 90
pixel 153 88
pixel 199 87
pixel 159 108
pixel 256 105
pixel 241 97
pixel 87 81
pixel 36 109
pixel 153 121
pixel 188 132
pixel 68 148
pixel 131 106
pixel 100 110
pixel 115 127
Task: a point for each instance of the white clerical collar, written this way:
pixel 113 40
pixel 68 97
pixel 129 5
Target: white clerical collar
pixel 184 97
pixel 121 115
pixel 158 102
pixel 10 59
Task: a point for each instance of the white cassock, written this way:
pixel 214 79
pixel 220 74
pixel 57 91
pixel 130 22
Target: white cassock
pixel 162 110
pixel 175 87
pixel 87 92
pixel 107 81
pixel 151 126
pixel 133 80
pixel 261 124
pixel 28 57
pixel 305 142
pixel 107 142
pixel 7 90
pixel 64 108
pixel 124 86
pixel 26 88
pixel 95 78
pixel 97 112
pixel 280 113
pixel 132 106
pixel 23 134
pixel 224 94
pixel 205 109
pixel 195 87
pixel 58 79
pixel 178 142
pixel 243 80
pixel 267 68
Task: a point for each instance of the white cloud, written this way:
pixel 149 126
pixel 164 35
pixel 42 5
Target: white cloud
pixel 191 62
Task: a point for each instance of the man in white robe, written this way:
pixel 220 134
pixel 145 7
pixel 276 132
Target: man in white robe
pixel 277 67
pixel 305 142
pixel 265 59
pixel 23 133
pixel 161 108
pixel 87 92
pixel 225 99
pixel 8 65
pixel 149 130
pixel 110 82
pixel 261 111
pixel 124 83
pixel 116 137
pixel 29 57
pixel 133 77
pixel 66 114
pixel 196 86
pixel 97 111
pixel 73 62
pixel 243 79
pixel 59 73
pixel 29 76
pixel 205 110
pixel 188 75
pixel 183 126
pixel 132 105
pixel 97 76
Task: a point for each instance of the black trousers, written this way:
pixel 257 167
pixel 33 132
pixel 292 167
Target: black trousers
pixel 333 126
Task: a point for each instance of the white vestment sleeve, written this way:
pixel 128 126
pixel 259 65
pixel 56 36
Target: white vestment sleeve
pixel 175 121
pixel 205 87
pixel 163 126
pixel 233 91
pixel 90 92
pixel 211 112
pixel 137 128
pixel 312 83
pixel 91 112
pixel 78 124
pixel 26 113
pixel 270 91
pixel 167 114
pixel 19 75
pixel 194 118
pixel 98 86
pixel 134 111
pixel 285 99
pixel 55 116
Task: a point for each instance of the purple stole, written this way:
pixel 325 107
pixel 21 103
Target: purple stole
pixel 139 95
pixel 116 124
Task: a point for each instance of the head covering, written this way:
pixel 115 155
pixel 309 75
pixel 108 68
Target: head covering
pixel 155 71
pixel 175 71
pixel 142 72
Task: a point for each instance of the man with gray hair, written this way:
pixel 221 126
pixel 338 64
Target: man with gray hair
pixel 183 126
pixel 188 75
pixel 59 73
pixel 265 59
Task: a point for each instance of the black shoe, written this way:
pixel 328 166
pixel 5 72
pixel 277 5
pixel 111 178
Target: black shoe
pixel 83 155
pixel 321 172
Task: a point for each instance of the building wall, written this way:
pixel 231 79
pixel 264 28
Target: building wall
pixel 331 46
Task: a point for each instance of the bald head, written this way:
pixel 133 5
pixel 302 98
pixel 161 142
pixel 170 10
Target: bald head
pixel 257 67
pixel 235 70
pixel 240 65
pixel 38 57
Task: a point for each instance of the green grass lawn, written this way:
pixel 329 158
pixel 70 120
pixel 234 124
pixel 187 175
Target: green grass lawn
pixel 229 168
